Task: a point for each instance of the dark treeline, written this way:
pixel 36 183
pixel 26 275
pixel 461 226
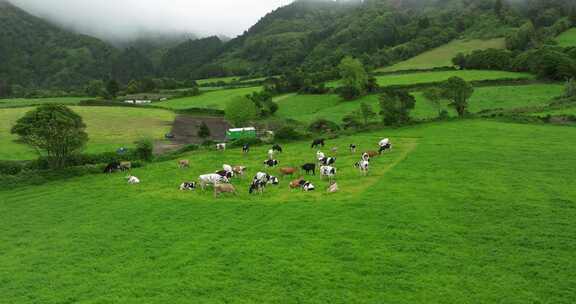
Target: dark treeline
pixel 308 37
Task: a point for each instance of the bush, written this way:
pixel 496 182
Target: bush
pixel 11 167
pixel 145 149
pixel 208 143
pixel 323 126
pixel 287 133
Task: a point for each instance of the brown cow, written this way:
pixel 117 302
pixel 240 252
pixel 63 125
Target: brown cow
pixel 223 188
pixel 239 170
pixel 184 163
pixel 287 171
pixel 371 153
pixel 295 184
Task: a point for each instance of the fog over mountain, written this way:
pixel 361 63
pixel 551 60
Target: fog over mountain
pixel 129 19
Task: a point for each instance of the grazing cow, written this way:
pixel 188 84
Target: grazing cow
pixel 188 186
pixel 112 167
pixel 307 186
pixel 221 147
pixel 211 179
pixel 184 163
pixel 266 178
pixel 133 180
pixel 309 168
pixel 287 171
pixel 246 148
pixel 270 154
pixel 125 166
pixel 327 161
pixel 368 155
pixel 327 171
pixel 296 183
pixel 277 148
pixel 257 185
pixel 320 155
pixel 317 142
pixel 271 163
pixel 225 174
pixel 223 188
pixel 384 144
pixel 239 170
pixel 333 188
pixel 353 148
pixel 228 168
pixel 364 166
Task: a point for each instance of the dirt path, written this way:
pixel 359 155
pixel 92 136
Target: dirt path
pixel 185 129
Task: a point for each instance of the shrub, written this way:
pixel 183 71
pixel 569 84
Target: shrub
pixel 323 126
pixel 287 133
pixel 145 149
pixel 11 167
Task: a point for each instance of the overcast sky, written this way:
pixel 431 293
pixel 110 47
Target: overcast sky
pixel 124 18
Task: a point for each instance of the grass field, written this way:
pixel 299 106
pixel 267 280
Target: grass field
pixel 564 111
pixel 19 102
pixel 212 100
pixel 430 77
pixel 442 56
pixel 307 108
pixel 109 128
pixel 567 39
pixel 459 212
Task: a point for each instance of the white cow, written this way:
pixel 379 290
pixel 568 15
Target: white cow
pixel 328 171
pixel 211 179
pixel 364 166
pixel 221 147
pixel 228 168
pixel 271 154
pixel 133 180
pixel 320 155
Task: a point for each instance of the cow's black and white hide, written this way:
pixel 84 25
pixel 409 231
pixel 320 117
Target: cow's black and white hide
pixel 257 185
pixel 309 168
pixel 327 171
pixel 266 178
pixel 112 167
pixel 271 163
pixel 277 148
pixel 307 186
pixel 225 173
pixel 328 161
pixel 246 148
pixel 188 186
pixel 317 142
pixel 384 144
pixel 353 148
pixel 363 166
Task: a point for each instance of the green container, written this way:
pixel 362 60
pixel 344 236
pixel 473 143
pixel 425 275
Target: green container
pixel 239 133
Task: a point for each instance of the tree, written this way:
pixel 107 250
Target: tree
pixel 5 88
pixel 498 7
pixel 145 149
pixel 395 107
pixel 354 78
pixel 570 88
pixel 366 112
pixel 240 111
pixel 458 91
pixel 95 88
pixel 204 131
pixel 53 130
pixel 460 61
pixel 434 97
pixel 112 88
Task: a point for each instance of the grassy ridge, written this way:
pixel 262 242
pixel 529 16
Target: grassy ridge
pixel 211 100
pixel 310 107
pixel 567 39
pixel 108 128
pixel 442 56
pixel 467 227
pixel 438 76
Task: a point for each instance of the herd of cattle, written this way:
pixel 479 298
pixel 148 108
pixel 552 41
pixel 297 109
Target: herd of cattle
pixel 220 181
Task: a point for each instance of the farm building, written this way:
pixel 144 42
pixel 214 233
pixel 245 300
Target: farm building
pixel 238 133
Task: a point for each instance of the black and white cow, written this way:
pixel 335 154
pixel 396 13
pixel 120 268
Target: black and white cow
pixel 352 148
pixel 211 179
pixel 363 165
pixel 385 144
pixel 271 163
pixel 327 171
pixel 307 186
pixel 317 142
pixel 309 168
pixel 277 148
pixel 112 167
pixel 246 148
pixel 328 161
pixel 257 185
pixel 266 178
pixel 221 147
pixel 224 173
pixel 188 186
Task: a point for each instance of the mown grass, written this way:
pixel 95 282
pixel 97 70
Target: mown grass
pixel 459 212
pixel 308 108
pixel 20 102
pixel 109 128
pixel 442 56
pixel 212 100
pixel 439 76
pixel 567 39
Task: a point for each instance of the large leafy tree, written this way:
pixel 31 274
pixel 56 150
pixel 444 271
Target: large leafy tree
pixel 395 107
pixel 240 111
pixel 55 131
pixel 354 78
pixel 458 91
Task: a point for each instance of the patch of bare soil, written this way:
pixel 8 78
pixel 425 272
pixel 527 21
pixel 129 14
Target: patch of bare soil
pixel 185 131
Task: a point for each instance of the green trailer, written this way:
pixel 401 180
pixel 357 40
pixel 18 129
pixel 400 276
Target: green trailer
pixel 234 134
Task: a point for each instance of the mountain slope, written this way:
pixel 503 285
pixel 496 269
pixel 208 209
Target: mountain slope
pixel 34 53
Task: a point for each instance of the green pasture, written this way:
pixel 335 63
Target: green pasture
pixel 109 128
pixel 212 100
pixel 563 111
pixel 439 76
pixel 442 56
pixel 567 39
pixel 308 108
pixel 459 212
pixel 21 102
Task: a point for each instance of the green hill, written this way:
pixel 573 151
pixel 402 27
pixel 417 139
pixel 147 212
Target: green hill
pixel 567 39
pixel 442 56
